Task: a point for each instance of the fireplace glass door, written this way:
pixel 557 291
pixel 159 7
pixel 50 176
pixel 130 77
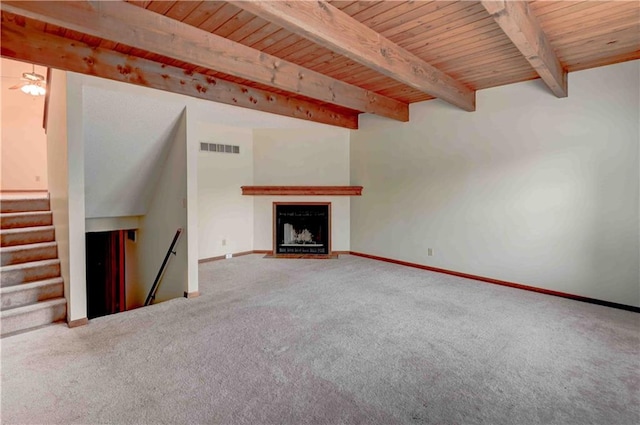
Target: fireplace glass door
pixel 301 229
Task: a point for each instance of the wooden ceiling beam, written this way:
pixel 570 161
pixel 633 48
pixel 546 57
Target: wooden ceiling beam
pixel 333 29
pixel 131 25
pixel 26 44
pixel 521 26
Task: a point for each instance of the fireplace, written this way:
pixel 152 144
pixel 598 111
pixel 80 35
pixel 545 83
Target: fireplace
pixel 302 228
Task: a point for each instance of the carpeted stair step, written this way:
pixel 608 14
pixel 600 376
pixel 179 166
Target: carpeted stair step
pixel 29 272
pixel 25 219
pixel 19 254
pixel 33 315
pixel 30 293
pixel 27 235
pixel 24 204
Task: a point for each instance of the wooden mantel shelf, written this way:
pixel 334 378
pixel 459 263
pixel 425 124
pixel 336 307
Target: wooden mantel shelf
pixel 302 190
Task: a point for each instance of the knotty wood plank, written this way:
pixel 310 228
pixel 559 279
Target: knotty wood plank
pixel 202 12
pixel 331 28
pixel 254 25
pixel 523 29
pixel 222 15
pixel 160 6
pixel 235 23
pixel 608 59
pixel 19 42
pixel 572 17
pixel 131 25
pixel 181 9
pixel 541 8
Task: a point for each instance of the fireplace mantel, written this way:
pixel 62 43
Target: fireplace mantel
pixel 302 190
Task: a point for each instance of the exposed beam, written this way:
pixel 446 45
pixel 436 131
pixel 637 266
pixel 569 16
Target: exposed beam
pixel 522 27
pixel 329 27
pixel 20 42
pixel 134 26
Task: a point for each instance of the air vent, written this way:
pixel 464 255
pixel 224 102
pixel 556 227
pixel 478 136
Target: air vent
pixel 214 147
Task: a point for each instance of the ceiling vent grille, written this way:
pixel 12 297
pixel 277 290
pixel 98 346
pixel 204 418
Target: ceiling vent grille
pixel 214 147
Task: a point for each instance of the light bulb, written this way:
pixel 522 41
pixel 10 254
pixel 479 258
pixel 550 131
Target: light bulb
pixel 33 89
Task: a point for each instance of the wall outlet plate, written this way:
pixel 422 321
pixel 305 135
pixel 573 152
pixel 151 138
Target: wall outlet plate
pixel 227 256
pixel 430 252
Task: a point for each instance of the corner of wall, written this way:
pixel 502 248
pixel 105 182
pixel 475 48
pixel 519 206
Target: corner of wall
pixel 167 212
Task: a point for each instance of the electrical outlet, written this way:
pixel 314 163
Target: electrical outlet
pixel 430 252
pixel 37 178
pixel 227 256
pixel 224 242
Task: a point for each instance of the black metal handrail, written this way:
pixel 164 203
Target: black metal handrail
pixel 156 283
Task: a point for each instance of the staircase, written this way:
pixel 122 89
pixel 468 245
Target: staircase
pixel 31 288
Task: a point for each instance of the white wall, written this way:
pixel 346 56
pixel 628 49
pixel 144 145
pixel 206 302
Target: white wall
pixel 108 224
pixel 529 188
pixel 227 224
pixel 77 297
pixel 23 143
pixel 300 157
pixel 58 172
pixel 66 186
pixel 124 152
pixel 167 212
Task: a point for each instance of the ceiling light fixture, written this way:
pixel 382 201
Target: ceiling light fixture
pixel 34 89
pixel 32 84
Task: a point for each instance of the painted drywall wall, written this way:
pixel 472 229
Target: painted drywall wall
pixel 229 228
pixel 77 237
pixel 58 177
pixel 529 188
pixel 108 224
pixel 122 162
pixel 294 156
pixel 24 144
pixel 297 157
pixel 167 212
pixel 65 154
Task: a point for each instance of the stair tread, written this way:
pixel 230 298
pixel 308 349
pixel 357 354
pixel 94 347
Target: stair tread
pixel 41 305
pixel 23 213
pixel 29 264
pixel 40 196
pixel 12 248
pixel 30 285
pixel 26 229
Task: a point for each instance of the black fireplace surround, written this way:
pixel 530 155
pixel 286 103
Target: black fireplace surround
pixel 301 229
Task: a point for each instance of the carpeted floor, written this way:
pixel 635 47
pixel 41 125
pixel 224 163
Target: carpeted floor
pixel 348 341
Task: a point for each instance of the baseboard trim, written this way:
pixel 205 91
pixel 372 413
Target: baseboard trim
pixel 78 322
pixel 23 190
pixel 262 251
pixel 193 294
pixel 222 257
pixel 501 282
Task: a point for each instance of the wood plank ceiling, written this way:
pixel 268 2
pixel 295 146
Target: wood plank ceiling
pixel 325 61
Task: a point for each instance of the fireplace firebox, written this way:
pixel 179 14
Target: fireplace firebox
pixel 302 228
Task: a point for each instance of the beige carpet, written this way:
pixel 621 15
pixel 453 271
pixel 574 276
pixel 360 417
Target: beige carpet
pixel 348 341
